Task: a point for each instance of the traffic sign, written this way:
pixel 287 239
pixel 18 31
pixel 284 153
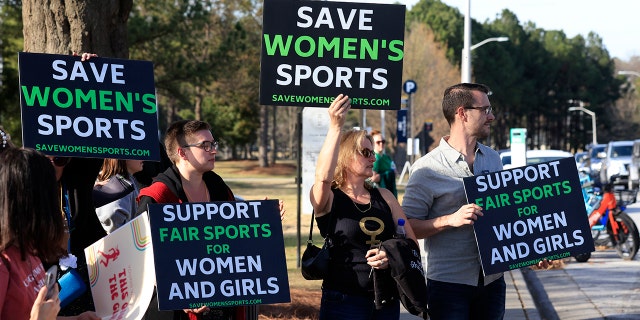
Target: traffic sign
pixel 410 87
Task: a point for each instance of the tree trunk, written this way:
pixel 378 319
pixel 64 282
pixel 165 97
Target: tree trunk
pixel 63 27
pixel 197 107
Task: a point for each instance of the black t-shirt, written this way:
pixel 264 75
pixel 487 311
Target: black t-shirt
pixel 357 229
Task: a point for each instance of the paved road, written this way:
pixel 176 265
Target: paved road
pixel 605 287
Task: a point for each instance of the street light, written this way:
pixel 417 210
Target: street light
pixel 465 68
pixel 593 119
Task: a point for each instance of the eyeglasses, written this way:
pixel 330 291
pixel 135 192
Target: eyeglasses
pixel 60 161
pixel 381 142
pixel 207 146
pixel 487 109
pixel 366 152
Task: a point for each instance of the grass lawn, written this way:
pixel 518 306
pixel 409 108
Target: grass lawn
pixel 248 180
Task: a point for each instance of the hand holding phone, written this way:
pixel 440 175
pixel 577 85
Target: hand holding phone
pixel 51 281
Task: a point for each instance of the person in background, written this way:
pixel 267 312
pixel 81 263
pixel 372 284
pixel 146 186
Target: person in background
pixel 384 169
pixel 438 211
pixel 30 233
pixel 356 217
pixel 192 149
pixel 115 181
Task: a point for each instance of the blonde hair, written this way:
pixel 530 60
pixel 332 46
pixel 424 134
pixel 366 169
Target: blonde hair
pixel 350 144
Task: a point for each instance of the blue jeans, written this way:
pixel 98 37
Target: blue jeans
pixel 462 302
pixel 336 305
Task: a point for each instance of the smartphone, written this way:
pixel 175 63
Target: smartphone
pixel 51 279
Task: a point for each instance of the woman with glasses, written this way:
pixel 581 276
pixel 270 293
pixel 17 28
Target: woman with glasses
pixel 356 218
pixel 192 149
pixel 384 169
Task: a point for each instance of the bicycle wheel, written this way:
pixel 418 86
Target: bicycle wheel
pixel 627 240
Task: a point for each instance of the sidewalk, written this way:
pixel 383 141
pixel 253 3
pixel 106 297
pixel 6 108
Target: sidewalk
pixel 519 304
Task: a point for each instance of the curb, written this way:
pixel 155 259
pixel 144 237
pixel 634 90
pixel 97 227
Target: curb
pixel 539 295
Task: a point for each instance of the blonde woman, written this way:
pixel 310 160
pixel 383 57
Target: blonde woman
pixel 356 218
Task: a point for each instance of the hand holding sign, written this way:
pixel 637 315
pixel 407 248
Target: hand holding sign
pixel 466 215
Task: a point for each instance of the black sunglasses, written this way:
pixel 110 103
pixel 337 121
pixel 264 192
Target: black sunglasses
pixel 366 152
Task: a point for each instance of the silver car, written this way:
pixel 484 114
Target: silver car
pixel 615 163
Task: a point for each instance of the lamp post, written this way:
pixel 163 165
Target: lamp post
pixel 465 62
pixel 593 120
pixel 465 68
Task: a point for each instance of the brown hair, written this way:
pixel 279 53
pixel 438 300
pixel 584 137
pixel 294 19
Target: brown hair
pixel 30 216
pixel 112 167
pixel 350 143
pixel 177 135
pixel 460 95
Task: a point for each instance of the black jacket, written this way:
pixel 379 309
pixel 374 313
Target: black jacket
pixel 406 269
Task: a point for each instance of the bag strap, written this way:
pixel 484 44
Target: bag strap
pixel 313 213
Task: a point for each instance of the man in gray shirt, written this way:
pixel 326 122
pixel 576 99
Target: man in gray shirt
pixel 435 203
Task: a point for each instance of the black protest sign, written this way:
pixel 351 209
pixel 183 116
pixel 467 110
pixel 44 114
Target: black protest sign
pixel 530 213
pixel 218 254
pixel 314 50
pixel 100 108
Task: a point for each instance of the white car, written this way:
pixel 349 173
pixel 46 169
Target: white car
pixel 616 161
pixel 535 156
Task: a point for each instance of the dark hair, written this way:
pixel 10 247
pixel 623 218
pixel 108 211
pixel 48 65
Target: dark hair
pixel 460 95
pixel 30 215
pixel 177 134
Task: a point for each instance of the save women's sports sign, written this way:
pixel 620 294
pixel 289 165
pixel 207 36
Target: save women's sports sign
pixel 314 50
pixel 100 108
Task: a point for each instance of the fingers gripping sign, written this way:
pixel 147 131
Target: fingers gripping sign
pixel 339 108
pixel 466 215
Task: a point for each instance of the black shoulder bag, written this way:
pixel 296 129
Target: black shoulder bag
pixel 315 261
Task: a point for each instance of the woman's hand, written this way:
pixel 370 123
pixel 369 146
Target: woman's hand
pixel 282 210
pixel 45 309
pixel 338 110
pixel 85 56
pixel 377 258
pixel 197 311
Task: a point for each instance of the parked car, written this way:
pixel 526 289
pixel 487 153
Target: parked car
pixel 594 162
pixel 535 156
pixel 581 161
pixel 634 166
pixel 615 163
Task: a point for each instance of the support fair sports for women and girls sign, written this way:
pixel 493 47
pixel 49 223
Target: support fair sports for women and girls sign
pixel 314 50
pixel 530 213
pixel 218 254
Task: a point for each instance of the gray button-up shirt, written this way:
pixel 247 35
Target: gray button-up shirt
pixel 435 189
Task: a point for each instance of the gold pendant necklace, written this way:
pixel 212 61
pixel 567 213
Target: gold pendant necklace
pixel 362 211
